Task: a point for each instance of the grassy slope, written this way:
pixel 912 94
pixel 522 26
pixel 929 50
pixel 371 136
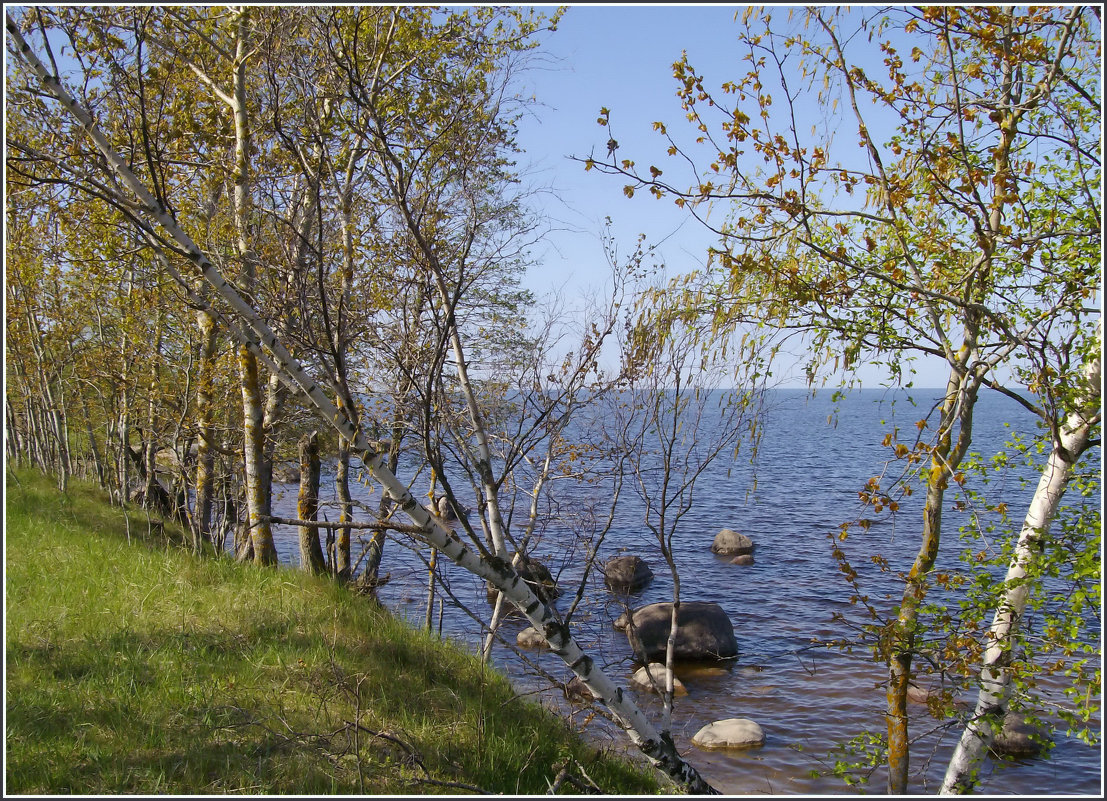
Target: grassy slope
pixel 137 668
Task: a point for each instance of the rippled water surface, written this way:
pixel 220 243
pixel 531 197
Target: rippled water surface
pixel 806 699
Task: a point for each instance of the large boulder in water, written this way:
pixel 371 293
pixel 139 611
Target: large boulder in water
pixel 730 543
pixel 703 632
pixel 626 574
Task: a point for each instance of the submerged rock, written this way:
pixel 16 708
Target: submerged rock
pixel 575 688
pixel 730 733
pixel 626 574
pixel 730 543
pixel 530 637
pixel 641 680
pixel 538 578
pixel 1018 738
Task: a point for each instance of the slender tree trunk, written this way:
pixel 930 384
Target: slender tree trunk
pixel 274 407
pixel 93 446
pixel 205 430
pixel 341 565
pixel 151 493
pixel 995 676
pixel 55 427
pixel 670 651
pixel 957 408
pixel 371 574
pixel 14 442
pixel 253 433
pixel 307 504
pixel 432 572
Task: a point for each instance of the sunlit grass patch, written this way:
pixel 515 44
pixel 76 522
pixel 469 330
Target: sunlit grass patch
pixel 139 668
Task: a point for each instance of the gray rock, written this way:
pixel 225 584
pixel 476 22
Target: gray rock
pixel 744 559
pixel 530 637
pixel 626 574
pixel 575 688
pixel 922 695
pixel 703 632
pixel 1018 738
pixel 286 473
pixel 641 680
pixel 730 733
pixel 731 543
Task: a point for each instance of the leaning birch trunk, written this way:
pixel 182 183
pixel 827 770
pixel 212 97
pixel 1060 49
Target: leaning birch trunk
pixel 657 747
pixel 995 678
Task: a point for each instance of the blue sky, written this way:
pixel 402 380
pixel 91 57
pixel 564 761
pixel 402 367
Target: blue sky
pixel 620 57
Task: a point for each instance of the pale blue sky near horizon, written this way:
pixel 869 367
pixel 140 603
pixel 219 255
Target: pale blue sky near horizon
pixel 620 57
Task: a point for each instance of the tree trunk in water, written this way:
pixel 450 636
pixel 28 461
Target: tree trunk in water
pixel 307 504
pixel 995 679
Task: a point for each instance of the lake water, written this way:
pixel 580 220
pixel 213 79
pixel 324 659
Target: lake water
pixel 807 699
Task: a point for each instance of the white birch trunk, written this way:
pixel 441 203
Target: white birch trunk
pixel 995 679
pixel 657 747
pixel 253 415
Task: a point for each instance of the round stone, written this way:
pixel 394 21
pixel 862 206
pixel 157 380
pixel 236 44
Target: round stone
pixel 731 733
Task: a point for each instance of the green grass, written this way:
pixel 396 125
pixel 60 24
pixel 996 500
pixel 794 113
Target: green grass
pixel 135 667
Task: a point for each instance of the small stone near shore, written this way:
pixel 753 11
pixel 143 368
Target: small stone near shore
pixel 641 680
pixel 730 733
pixel 920 695
pixel 530 637
pixel 575 688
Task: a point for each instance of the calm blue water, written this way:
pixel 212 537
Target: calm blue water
pixel 814 456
